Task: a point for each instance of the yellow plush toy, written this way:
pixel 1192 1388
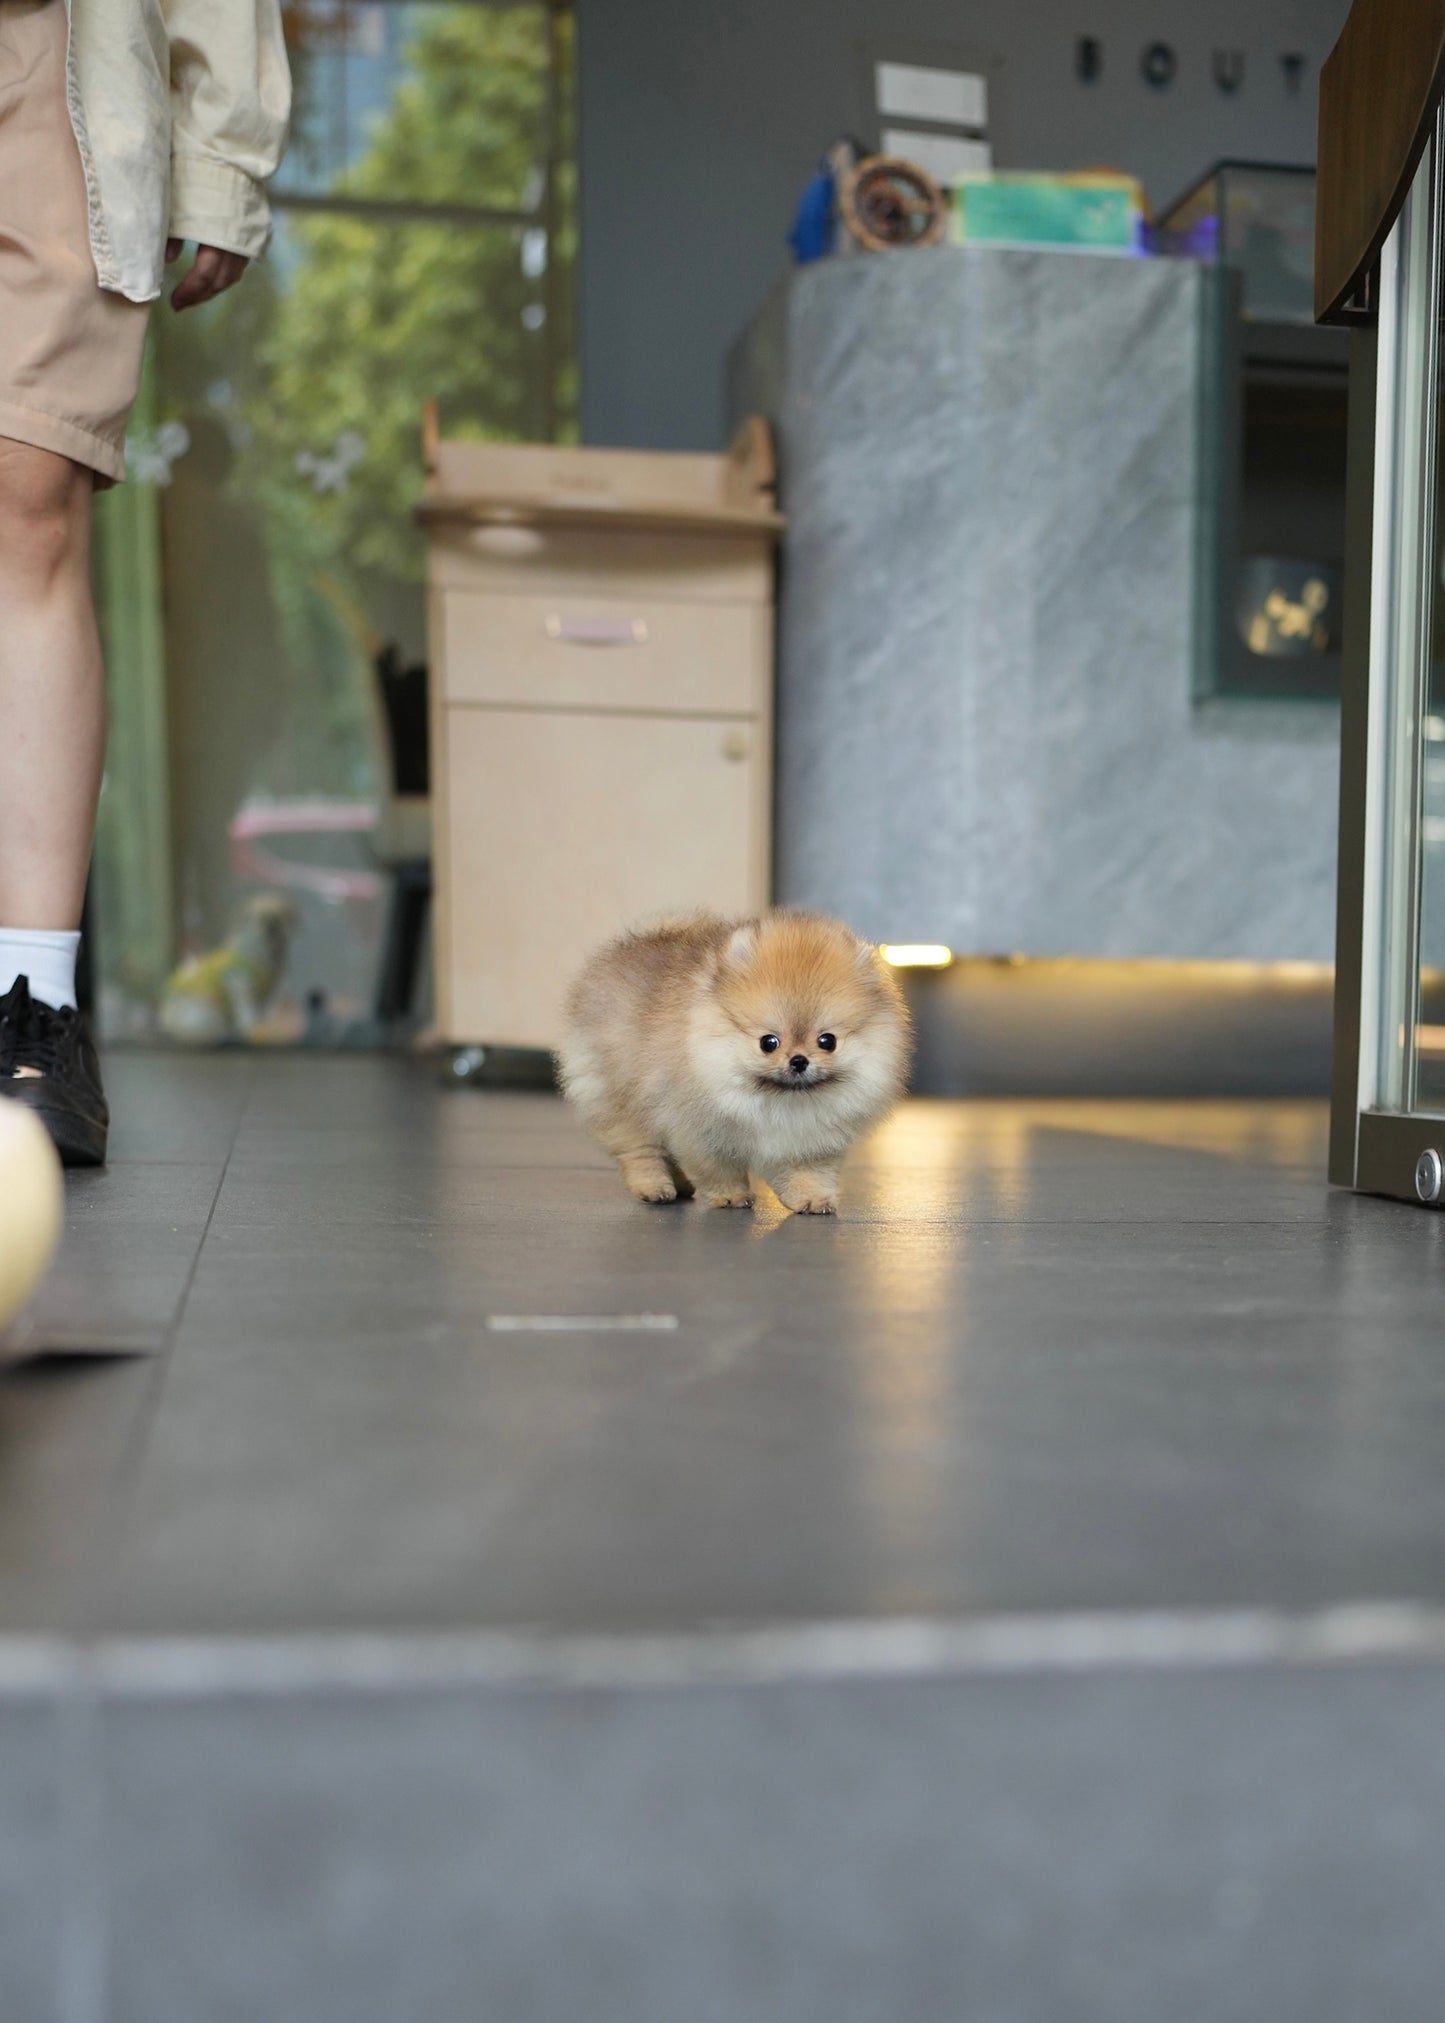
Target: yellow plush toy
pixel 221 996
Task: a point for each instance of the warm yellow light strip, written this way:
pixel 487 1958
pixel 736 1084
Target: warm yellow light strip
pixel 1110 970
pixel 916 954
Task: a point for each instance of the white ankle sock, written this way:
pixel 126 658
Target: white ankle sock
pixel 47 959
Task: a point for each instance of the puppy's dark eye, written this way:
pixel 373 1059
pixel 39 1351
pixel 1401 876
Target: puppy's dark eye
pixel 770 1043
pixel 827 1042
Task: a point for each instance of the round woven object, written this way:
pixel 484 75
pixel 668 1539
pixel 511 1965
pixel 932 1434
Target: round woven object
pixel 887 202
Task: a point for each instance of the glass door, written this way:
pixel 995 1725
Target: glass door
pixel 262 575
pixel 1389 1122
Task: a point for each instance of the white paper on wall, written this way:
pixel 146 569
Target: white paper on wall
pixel 943 156
pixel 918 91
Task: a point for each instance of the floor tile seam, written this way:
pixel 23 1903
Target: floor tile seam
pixel 1121 1221
pixel 690 1213
pixel 124 1162
pixel 131 1457
pixel 281 1169
pixel 1082 1645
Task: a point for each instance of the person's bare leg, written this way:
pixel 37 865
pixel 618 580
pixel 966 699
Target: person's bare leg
pixel 52 689
pixel 52 742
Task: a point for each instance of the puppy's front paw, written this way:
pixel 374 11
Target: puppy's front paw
pixel 810 1193
pixel 730 1198
pixel 650 1176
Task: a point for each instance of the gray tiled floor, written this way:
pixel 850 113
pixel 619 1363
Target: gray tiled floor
pixel 1052 1356
pixel 358 1661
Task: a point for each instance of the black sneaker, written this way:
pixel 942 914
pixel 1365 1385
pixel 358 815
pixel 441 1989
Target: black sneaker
pixel 48 1061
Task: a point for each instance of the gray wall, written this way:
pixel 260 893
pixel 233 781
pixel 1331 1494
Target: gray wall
pixel 702 119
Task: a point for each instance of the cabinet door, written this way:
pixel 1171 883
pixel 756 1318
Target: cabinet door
pixel 564 829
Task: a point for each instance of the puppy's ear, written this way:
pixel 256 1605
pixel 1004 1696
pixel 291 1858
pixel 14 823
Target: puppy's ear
pixel 865 955
pixel 743 945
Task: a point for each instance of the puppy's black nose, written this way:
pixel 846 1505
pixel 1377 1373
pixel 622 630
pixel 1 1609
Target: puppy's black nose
pixel 798 1065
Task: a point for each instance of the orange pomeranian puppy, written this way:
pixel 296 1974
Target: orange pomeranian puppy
pixel 706 1054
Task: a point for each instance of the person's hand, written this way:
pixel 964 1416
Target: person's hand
pixel 212 272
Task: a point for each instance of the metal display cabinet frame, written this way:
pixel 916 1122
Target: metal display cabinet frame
pixel 1379 267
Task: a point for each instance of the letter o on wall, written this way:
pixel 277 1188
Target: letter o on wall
pixel 1160 64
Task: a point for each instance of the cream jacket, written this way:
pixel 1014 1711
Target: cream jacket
pixel 179 109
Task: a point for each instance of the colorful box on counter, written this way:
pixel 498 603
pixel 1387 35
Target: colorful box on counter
pixel 1099 211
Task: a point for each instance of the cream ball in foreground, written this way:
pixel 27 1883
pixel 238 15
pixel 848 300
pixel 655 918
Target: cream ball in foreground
pixel 32 1206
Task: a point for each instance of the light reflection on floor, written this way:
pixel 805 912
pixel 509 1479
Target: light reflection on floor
pixel 929 1132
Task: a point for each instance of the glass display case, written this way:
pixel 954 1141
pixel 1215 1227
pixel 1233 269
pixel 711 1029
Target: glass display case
pixel 1259 220
pixel 1273 438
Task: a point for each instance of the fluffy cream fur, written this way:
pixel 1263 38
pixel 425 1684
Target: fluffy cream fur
pixel 664 1055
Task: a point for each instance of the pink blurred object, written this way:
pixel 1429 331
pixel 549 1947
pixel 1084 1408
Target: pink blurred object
pixel 253 858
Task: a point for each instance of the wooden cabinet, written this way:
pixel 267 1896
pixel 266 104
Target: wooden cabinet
pixel 601 627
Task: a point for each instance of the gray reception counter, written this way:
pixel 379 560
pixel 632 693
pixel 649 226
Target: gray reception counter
pixel 988 737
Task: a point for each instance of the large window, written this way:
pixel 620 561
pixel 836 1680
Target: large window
pixel 264 559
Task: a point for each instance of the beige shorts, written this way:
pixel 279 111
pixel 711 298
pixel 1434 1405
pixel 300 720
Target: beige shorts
pixel 70 354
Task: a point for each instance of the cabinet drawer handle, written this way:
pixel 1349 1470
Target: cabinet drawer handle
pixel 597 631
pixel 735 747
